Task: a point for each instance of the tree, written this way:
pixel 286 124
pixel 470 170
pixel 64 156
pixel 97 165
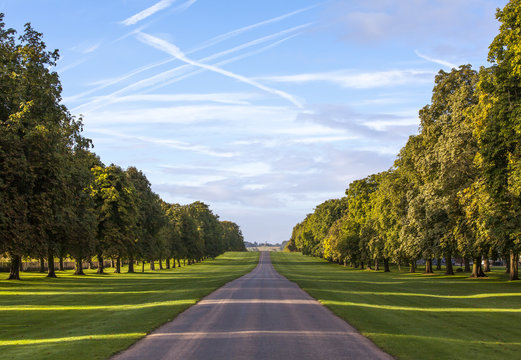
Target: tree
pixel 149 221
pixel 114 198
pixel 232 236
pixel 358 221
pixel 79 225
pixel 209 228
pixel 36 134
pixel 447 166
pixel 498 129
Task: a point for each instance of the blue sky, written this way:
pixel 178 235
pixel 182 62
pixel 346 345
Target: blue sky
pixel 261 109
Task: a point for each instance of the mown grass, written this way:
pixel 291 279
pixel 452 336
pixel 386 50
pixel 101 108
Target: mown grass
pixel 95 316
pixel 416 316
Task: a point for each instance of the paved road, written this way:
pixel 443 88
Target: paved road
pixel 261 315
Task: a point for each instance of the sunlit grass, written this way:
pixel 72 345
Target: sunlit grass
pixel 94 316
pixel 72 338
pixel 415 316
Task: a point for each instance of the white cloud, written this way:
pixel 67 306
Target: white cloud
pixel 381 125
pixel 254 186
pixel 239 115
pixel 174 144
pixel 224 98
pixel 359 80
pixel 323 139
pixel 142 15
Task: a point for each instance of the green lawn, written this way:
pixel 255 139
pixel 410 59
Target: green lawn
pixel 95 316
pixel 416 316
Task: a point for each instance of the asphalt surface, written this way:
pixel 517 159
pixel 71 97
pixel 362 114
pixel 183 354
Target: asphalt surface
pixel 261 315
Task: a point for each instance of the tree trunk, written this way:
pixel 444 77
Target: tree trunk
pixel 112 264
pixel 178 262
pixel 376 265
pixel 101 266
pixel 438 263
pixel 412 267
pixel 160 263
pixel 184 262
pixel 61 264
pixel 428 266
pixel 167 263
pixel 486 266
pixel 476 268
pixel 117 270
pixel 131 264
pixel 42 264
pixel 513 266
pixel 386 265
pixel 507 265
pixel 78 266
pixel 173 263
pixel 21 264
pixel 14 274
pixel 143 266
pixel 448 265
pixel 361 265
pixel 467 264
pixel 50 264
pixel 152 265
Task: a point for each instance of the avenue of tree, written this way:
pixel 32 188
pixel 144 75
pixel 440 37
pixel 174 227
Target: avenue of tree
pixel 455 188
pixel 58 200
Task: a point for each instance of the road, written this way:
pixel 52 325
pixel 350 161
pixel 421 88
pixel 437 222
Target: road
pixel 261 315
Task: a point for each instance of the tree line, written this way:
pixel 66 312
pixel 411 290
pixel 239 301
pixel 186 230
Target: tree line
pixel 57 199
pixel 454 189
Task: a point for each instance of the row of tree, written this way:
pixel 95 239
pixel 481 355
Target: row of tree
pixel 57 199
pixel 454 189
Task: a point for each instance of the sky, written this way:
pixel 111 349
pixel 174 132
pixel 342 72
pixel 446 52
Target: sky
pixel 262 109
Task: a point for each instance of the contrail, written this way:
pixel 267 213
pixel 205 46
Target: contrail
pixel 204 45
pixel 226 36
pixel 177 53
pixel 224 62
pixel 150 81
pixel 142 15
pixel 436 61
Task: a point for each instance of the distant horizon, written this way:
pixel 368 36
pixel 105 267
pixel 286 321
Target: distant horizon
pixel 260 110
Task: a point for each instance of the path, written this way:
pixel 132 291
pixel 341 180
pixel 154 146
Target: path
pixel 261 315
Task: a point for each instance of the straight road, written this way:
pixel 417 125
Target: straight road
pixel 261 315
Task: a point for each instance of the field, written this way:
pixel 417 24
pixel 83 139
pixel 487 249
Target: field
pixel 416 316
pixel 95 316
pixel 264 248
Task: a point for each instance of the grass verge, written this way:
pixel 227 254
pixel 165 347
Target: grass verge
pixel 95 316
pixel 414 316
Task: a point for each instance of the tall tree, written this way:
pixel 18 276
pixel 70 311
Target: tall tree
pixel 449 150
pixel 36 133
pixel 114 197
pixel 150 219
pixel 232 236
pixel 498 128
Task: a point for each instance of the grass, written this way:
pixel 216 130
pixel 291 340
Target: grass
pixel 413 316
pixel 265 248
pixel 95 316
